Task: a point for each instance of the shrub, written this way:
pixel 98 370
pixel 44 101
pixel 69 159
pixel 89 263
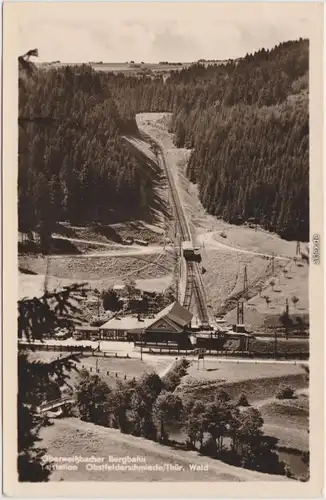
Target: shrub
pixel 287 470
pixel 267 300
pixel 223 396
pixel 285 392
pixel 209 447
pixel 272 283
pixel 307 371
pixel 173 378
pixel 295 300
pixel 167 409
pixel 171 381
pixel 305 457
pixel 110 300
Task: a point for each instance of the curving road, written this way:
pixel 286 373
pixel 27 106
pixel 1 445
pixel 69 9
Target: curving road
pixel 210 242
pixel 116 249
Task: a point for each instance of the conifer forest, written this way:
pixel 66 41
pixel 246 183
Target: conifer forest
pixel 246 123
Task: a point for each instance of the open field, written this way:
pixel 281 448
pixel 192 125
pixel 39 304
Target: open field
pixel 33 286
pixel 129 367
pixel 97 267
pixel 235 372
pixel 294 283
pixel 70 437
pixel 110 369
pixel 225 272
pixel 114 233
pixel 99 272
pixel 255 389
pixel 258 381
pixel 259 241
pixel 288 420
pixel 132 68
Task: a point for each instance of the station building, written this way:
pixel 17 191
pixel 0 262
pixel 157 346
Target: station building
pixel 171 325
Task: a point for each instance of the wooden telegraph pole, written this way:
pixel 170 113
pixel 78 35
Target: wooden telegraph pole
pixel 287 318
pixel 141 344
pixel 275 344
pixel 245 280
pixel 240 314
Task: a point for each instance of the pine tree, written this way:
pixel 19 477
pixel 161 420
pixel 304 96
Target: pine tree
pixel 39 382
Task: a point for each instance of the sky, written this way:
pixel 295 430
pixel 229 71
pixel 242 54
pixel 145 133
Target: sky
pixel 151 32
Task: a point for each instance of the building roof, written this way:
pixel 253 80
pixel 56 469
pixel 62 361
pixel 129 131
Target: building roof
pixel 173 312
pixel 187 245
pixel 86 328
pixel 130 323
pixel 120 286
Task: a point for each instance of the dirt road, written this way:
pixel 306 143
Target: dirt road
pixel 116 250
pixel 207 239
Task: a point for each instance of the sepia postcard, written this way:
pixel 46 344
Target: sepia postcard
pixel 163 249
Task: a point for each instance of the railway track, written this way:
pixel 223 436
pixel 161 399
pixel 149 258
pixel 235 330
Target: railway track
pixel 194 284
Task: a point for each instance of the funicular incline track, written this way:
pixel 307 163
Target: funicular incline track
pixel 194 283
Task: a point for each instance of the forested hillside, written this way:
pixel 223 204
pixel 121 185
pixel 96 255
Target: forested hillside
pixel 246 121
pixel 248 125
pixel 251 144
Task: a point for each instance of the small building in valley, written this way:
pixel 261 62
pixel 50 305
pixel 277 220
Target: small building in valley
pixel 86 332
pixel 169 325
pixel 123 327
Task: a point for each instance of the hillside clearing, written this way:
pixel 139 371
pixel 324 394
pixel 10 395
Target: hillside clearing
pixel 236 372
pixel 256 381
pixel 99 272
pixel 288 421
pixel 225 273
pixel 109 369
pixel 259 314
pixel 257 240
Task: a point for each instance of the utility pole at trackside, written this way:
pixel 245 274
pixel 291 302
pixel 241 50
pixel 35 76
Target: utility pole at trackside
pixel 141 345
